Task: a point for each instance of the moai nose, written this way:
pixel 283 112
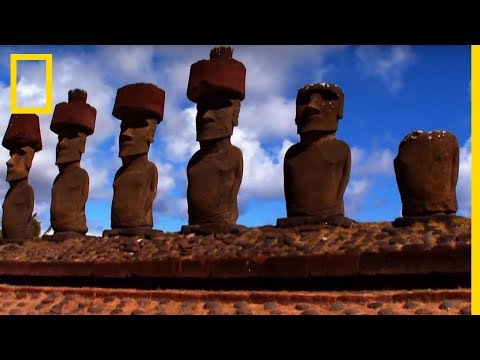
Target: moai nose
pixel 208 116
pixel 314 101
pixel 311 110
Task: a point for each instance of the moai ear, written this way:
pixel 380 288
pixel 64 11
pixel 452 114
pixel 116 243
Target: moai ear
pixel 29 154
pixel 236 111
pixel 152 126
pixel 83 136
pixel 340 105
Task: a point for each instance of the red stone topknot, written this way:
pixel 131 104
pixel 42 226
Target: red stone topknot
pixel 221 52
pixel 77 95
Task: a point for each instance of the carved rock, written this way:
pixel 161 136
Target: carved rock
pixel 317 169
pixel 215 171
pixel 426 170
pixel 72 121
pixel 23 139
pixel 140 108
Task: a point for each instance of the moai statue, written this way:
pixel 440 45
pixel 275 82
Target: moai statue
pixel 426 170
pixel 23 139
pixel 140 108
pixel 317 170
pixel 215 171
pixel 72 121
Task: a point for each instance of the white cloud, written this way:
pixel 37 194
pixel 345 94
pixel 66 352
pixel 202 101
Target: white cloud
pixel 100 177
pixel 166 182
pixel 164 202
pixel 377 162
pixel 262 173
pixel 30 92
pixel 272 118
pixel 464 179
pixel 268 67
pixel 266 117
pixel 179 135
pixel 355 195
pixel 132 62
pixel 387 64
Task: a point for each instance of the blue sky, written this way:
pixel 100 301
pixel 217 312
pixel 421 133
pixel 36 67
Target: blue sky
pixel 389 92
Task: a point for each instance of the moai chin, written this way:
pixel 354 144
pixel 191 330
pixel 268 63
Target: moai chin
pixel 317 169
pixel 23 139
pixel 72 121
pixel 426 171
pixel 140 108
pixel 214 172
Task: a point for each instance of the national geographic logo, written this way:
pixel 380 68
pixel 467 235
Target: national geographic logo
pixel 48 108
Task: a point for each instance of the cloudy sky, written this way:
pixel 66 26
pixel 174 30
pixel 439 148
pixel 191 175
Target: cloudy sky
pixel 389 92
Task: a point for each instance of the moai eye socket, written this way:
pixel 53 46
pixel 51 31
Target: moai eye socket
pixel 15 152
pixel 133 123
pixel 324 94
pixel 328 95
pixel 302 99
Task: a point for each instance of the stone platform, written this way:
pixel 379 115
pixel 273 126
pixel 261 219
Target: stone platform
pixel 437 246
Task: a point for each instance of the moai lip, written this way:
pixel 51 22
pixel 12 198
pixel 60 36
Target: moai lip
pixel 426 171
pixel 317 169
pixel 215 172
pixel 73 122
pixel 140 108
pixel 23 139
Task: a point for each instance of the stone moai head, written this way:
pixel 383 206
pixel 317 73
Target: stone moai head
pixel 319 107
pixel 426 170
pixel 140 108
pixel 23 139
pixel 73 121
pixel 217 86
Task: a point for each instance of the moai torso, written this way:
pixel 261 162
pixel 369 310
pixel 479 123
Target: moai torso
pixel 17 212
pixel 317 169
pixel 214 179
pixel 134 190
pixel 69 195
pixel 316 176
pixel 215 172
pixel 426 170
pixel 140 107
pixel 73 122
pixel 23 139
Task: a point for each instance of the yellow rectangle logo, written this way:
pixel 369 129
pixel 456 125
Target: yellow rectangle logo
pixel 14 58
pixel 475 88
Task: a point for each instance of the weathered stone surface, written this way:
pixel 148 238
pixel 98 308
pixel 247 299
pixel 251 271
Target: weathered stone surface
pixel 140 108
pixel 75 113
pixel 65 235
pixel 256 302
pixel 215 171
pixel 23 130
pixel 317 169
pixel 315 220
pixel 214 228
pixel 23 139
pixel 265 252
pixel 139 231
pixel 139 101
pixel 72 122
pixel 220 73
pixel 426 170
